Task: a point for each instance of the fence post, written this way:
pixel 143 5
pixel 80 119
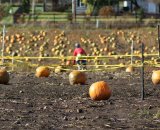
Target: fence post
pixel 3 42
pixel 142 72
pixel 97 23
pixel 132 45
pixel 159 41
pixel 12 61
pixel 54 18
pixel 74 12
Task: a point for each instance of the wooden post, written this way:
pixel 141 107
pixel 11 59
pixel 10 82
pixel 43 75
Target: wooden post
pixel 132 45
pixel 97 23
pixel 159 41
pixel 33 8
pixel 12 61
pixel 3 42
pixel 142 72
pixel 54 19
pixel 74 5
pixel 44 5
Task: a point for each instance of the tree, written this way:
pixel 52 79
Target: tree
pixel 26 6
pixel 54 4
pixel 93 5
pixel 135 3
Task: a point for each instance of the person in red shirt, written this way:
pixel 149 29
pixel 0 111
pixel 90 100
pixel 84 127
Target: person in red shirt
pixel 78 52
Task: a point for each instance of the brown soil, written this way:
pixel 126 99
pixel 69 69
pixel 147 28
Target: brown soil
pixel 30 103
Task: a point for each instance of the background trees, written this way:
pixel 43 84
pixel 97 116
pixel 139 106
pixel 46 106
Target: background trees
pixel 26 6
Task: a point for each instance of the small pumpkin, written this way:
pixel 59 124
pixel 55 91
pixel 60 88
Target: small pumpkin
pixel 156 77
pixel 4 76
pixel 69 62
pixel 42 71
pixel 77 77
pixel 99 91
pixel 129 69
pixel 58 69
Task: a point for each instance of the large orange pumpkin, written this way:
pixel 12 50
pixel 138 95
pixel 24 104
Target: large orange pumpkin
pixel 4 76
pixel 42 71
pixel 99 91
pixel 156 77
pixel 77 77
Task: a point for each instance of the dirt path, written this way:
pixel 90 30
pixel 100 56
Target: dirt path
pixel 52 103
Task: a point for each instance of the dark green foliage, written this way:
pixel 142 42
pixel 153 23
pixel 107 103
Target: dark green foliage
pixel 26 6
pixel 4 10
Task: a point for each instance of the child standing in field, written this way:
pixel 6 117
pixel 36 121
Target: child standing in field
pixel 78 52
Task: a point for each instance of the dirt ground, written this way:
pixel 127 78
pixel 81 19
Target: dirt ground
pixel 30 103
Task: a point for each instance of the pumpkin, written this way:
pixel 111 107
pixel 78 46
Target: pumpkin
pixel 4 76
pixel 156 77
pixel 58 69
pixel 77 77
pixel 69 62
pixel 42 71
pixel 130 69
pixel 99 91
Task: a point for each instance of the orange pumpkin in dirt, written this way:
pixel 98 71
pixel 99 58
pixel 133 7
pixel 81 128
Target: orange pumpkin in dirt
pixel 130 69
pixel 4 76
pixel 42 71
pixel 99 91
pixel 69 63
pixel 77 77
pixel 156 77
pixel 59 69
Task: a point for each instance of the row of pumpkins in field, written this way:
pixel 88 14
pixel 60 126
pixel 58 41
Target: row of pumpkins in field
pixel 97 91
pixel 24 44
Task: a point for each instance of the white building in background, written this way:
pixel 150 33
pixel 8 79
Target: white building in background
pixel 152 8
pixel 149 6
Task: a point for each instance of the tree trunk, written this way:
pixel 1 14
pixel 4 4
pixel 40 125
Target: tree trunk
pixel 44 5
pixel 135 3
pixel 54 4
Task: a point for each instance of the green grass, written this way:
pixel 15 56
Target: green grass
pixel 64 17
pixel 7 20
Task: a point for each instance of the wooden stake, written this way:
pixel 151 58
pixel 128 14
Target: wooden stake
pixel 132 52
pixel 3 42
pixel 142 72
pixel 12 61
pixel 159 40
pixel 74 5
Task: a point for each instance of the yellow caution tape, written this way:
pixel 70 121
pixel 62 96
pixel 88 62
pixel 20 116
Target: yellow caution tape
pixel 95 58
pixel 70 57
